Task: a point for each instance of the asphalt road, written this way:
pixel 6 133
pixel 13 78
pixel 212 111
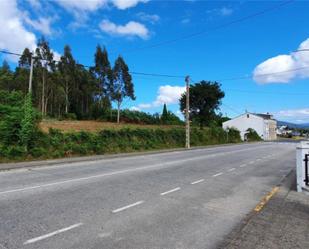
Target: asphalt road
pixel 182 199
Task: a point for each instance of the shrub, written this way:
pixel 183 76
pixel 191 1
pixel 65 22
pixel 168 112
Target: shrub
pixel 70 116
pixel 58 144
pixel 38 152
pixel 15 152
pixel 233 135
pixel 252 135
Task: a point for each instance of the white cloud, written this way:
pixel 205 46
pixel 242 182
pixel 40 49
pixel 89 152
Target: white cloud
pixel 169 94
pixel 93 5
pixel 82 5
pixel 166 95
pixel 293 64
pixel 152 18
pixel 124 4
pixel 13 34
pixel 57 56
pixel 294 115
pixel 130 29
pixel 42 25
pixel 135 108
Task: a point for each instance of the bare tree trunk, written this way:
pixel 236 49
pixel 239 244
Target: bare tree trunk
pixel 45 105
pixel 66 97
pixel 118 112
pixel 43 93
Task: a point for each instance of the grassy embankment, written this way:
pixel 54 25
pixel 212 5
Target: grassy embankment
pixel 58 139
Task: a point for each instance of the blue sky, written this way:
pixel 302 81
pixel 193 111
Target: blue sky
pixel 249 49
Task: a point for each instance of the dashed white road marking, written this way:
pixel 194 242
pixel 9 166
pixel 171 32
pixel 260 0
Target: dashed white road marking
pixel 170 191
pixel 243 165
pixel 252 162
pixel 232 169
pixel 259 159
pixel 119 172
pixel 198 181
pixel 126 207
pixel 219 174
pixel 30 241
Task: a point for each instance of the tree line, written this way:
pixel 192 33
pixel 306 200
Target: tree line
pixel 66 88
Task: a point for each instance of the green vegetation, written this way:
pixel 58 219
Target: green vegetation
pixel 252 135
pixel 57 144
pixel 20 138
pixel 66 90
pixel 205 100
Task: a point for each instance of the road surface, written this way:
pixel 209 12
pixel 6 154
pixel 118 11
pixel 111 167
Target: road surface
pixel 181 199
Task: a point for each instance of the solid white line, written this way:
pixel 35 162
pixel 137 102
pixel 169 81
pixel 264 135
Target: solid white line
pixel 52 234
pixel 231 169
pixel 170 191
pixel 198 181
pixel 128 206
pixel 219 174
pixel 158 165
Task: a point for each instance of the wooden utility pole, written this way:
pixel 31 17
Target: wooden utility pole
pixel 31 73
pixel 187 80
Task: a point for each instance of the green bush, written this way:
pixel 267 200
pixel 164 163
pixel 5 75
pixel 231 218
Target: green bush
pixel 15 152
pixel 252 135
pixel 57 144
pixel 233 135
pixel 69 116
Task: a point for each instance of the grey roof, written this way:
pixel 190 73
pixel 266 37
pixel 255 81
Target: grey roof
pixel 264 116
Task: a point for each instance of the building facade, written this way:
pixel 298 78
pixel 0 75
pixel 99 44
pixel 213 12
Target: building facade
pixel 263 124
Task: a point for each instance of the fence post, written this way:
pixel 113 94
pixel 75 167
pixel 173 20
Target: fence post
pixel 301 150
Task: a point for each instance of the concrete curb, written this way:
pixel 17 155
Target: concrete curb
pixel 31 164
pixel 286 184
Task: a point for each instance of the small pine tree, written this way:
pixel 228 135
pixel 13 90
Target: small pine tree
pixel 164 117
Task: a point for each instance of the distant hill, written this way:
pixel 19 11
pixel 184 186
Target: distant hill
pixel 292 125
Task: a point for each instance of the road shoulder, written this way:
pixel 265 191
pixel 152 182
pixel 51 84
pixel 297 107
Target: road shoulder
pixel 282 222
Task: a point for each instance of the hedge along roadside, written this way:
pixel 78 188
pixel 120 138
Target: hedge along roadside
pixel 56 144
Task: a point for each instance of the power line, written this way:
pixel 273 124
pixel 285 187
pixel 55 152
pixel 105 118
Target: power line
pixel 262 75
pixel 240 20
pixel 231 108
pixel 79 64
pixel 159 75
pixel 182 77
pixel 265 92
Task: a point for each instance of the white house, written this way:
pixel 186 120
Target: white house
pixel 263 124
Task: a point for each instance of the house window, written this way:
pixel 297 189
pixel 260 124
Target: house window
pixel 247 115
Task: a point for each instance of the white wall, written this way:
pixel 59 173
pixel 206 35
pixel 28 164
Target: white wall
pixel 243 123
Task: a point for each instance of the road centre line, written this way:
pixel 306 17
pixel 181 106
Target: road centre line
pixel 170 191
pixel 198 181
pixel 126 207
pixel 232 169
pixel 219 174
pixel 30 241
pixel 158 165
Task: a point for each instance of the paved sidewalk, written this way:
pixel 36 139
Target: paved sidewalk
pixel 282 223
